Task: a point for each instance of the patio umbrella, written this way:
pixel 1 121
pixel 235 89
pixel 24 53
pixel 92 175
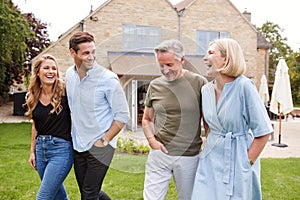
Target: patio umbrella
pixel 263 90
pixel 281 100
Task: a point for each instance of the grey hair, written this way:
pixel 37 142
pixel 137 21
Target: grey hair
pixel 168 45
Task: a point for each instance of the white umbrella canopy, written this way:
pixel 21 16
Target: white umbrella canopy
pixel 281 100
pixel 263 90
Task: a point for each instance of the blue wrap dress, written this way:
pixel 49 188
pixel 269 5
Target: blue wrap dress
pixel 224 171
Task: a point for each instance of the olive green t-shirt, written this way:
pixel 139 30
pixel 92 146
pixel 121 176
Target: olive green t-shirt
pixel 177 107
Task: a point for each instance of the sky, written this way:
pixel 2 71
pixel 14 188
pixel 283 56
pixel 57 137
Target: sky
pixel 69 12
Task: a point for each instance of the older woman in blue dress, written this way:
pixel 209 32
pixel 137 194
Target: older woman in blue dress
pixel 238 128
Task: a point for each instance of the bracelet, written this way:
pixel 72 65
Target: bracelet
pixel 251 162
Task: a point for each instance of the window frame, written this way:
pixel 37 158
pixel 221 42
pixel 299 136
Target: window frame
pixel 204 37
pixel 140 37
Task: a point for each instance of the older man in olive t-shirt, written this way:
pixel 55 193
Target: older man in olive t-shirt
pixel 172 124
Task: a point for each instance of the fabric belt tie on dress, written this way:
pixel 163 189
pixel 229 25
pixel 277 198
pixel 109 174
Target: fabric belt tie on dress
pixel 227 158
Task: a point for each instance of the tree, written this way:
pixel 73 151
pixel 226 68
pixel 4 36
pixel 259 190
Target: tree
pixel 272 32
pixel 294 63
pixel 41 39
pixel 35 44
pixel 14 31
pixel 22 38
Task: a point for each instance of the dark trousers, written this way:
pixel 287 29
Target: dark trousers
pixel 90 169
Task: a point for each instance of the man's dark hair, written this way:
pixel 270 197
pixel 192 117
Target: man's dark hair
pixel 80 37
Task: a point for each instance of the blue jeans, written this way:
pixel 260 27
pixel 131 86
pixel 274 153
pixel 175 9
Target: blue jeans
pixel 54 159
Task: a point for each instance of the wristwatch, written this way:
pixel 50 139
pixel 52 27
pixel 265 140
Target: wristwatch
pixel 104 141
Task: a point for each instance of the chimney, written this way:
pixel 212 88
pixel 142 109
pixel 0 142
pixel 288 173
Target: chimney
pixel 247 15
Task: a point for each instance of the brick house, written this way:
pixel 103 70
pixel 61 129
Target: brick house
pixel 127 31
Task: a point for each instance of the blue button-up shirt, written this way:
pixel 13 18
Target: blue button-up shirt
pixel 95 102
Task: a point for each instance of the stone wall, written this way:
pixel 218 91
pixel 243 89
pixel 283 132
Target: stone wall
pixel 217 15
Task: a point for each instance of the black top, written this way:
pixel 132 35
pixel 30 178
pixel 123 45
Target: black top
pixel 47 123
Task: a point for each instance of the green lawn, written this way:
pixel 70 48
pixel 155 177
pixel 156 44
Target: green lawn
pixel 280 177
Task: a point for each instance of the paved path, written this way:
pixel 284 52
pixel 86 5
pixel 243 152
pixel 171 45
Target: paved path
pixel 6 114
pixel 290 134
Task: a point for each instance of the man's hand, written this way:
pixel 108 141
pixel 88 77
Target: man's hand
pixel 156 145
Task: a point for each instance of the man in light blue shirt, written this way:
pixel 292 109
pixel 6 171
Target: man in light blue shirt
pixel 99 111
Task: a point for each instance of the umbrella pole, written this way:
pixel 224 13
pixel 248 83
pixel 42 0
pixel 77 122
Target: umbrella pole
pixel 279 144
pixel 279 132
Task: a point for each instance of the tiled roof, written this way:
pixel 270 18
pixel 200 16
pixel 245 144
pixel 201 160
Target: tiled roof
pixel 183 4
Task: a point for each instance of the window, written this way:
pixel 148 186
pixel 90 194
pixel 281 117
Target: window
pixel 140 37
pixel 205 37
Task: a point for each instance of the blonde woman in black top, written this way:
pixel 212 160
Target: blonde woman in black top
pixel 51 152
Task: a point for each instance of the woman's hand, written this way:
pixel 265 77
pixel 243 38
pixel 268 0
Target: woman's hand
pixel 32 162
pixel 257 146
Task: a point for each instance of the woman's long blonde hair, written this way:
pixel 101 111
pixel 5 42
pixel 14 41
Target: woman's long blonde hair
pixel 35 88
